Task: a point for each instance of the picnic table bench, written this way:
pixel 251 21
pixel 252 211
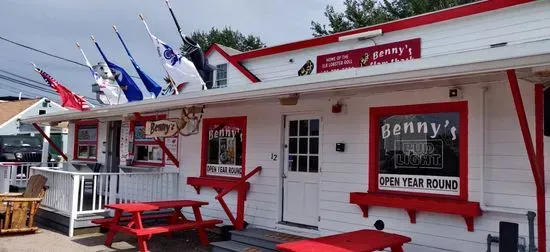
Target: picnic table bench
pixel 176 220
pixel 357 241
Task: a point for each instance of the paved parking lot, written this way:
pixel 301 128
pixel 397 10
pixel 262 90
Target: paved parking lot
pixel 48 240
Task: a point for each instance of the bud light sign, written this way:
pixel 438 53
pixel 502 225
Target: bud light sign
pixel 420 153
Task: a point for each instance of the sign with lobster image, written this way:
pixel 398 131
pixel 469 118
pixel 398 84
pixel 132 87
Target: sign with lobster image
pixel 370 56
pixel 186 125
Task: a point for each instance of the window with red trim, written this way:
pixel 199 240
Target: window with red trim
pixel 145 150
pixel 223 147
pixel 419 149
pixel 85 146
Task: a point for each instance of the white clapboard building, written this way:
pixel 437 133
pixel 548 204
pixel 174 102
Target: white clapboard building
pixel 432 124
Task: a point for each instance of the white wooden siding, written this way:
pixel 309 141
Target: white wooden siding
pixel 514 25
pixel 234 77
pixel 508 179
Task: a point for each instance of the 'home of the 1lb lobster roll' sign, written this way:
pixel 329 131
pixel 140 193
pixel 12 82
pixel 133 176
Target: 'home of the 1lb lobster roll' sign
pixel 370 56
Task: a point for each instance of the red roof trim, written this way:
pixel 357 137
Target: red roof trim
pixel 406 23
pixel 233 61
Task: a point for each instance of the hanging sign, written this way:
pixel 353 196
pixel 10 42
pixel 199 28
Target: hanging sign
pixel 420 153
pixel 162 128
pixel 369 56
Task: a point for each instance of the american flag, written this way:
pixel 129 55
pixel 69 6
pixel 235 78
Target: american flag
pixel 68 98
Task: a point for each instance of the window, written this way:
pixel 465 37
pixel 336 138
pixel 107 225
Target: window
pixel 221 76
pixel 41 112
pixel 419 149
pixel 303 145
pixel 146 150
pixel 86 141
pixel 224 141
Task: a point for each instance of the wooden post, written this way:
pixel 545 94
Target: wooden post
pixel 539 146
pixel 74 203
pixel 46 146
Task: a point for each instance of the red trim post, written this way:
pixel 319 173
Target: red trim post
pixel 539 145
pixel 55 147
pixel 159 142
pixel 520 109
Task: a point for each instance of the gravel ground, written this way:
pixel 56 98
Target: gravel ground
pixel 48 240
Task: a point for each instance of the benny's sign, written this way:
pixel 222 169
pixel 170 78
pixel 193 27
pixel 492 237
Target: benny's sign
pixel 162 128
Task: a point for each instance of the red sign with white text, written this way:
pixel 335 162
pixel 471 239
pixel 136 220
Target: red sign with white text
pixel 369 56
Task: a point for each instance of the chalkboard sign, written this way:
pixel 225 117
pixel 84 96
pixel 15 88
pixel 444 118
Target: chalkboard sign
pixel 420 153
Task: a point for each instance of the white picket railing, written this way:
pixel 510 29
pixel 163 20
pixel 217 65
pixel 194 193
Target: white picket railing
pixel 15 174
pixel 80 193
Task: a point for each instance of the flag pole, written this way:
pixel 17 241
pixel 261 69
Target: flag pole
pixel 175 19
pixel 153 95
pixel 85 58
pixel 123 44
pixel 172 83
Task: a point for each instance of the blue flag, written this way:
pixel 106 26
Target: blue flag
pixel 128 86
pixel 149 83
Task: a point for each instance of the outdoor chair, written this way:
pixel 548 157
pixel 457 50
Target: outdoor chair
pixel 17 210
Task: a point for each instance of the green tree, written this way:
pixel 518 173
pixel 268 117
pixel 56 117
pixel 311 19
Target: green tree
pixel 227 37
pixel 361 13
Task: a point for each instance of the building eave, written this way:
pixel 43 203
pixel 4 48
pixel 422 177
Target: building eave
pixel 531 54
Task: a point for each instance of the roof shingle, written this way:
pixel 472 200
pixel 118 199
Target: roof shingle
pixel 13 108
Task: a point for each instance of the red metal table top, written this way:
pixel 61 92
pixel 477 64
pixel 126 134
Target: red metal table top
pixel 177 203
pixel 360 241
pixel 133 207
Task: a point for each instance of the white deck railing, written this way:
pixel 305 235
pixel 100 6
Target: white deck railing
pixel 79 193
pixel 15 174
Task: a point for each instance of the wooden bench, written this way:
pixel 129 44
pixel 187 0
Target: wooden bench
pixel 105 222
pixel 356 241
pixel 149 231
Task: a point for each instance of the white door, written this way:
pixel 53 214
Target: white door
pixel 301 170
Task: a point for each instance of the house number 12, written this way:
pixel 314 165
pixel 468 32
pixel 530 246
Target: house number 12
pixel 274 156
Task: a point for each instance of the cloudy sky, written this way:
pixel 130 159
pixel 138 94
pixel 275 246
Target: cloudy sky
pixel 55 25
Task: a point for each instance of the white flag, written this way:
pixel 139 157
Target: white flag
pixel 180 70
pixel 109 92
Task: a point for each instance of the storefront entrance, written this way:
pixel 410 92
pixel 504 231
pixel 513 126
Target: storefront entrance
pixel 301 170
pixel 113 146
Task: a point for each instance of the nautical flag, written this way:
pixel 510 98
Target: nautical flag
pixel 195 53
pixel 68 98
pixel 128 86
pixel 108 92
pixel 180 70
pixel 149 83
pixel 192 49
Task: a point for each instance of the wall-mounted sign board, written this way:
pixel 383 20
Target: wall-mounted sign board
pixel 161 128
pixel 369 56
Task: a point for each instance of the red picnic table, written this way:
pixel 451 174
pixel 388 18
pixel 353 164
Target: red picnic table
pixel 176 220
pixel 357 241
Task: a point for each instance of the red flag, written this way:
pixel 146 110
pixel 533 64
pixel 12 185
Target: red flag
pixel 68 98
